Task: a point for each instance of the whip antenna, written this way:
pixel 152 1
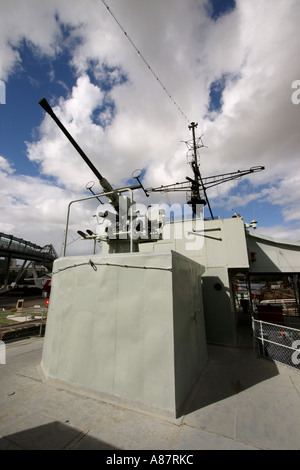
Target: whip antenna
pixel 145 61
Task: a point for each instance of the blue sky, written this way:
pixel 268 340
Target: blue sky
pixel 215 58
pixel 218 8
pixel 53 77
pixel 22 115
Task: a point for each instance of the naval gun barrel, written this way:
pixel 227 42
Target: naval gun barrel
pixel 104 183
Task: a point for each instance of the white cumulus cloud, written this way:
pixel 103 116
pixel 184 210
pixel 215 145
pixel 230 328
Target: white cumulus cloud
pixel 123 119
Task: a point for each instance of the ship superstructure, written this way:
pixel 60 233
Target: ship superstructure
pixel 133 322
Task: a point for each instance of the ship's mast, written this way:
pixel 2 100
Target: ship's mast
pixel 197 186
pixel 196 183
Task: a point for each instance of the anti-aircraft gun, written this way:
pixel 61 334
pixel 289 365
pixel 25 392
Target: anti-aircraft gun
pixel 118 225
pixel 103 182
pixel 112 194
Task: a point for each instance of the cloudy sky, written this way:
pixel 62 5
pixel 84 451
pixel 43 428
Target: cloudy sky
pixel 231 66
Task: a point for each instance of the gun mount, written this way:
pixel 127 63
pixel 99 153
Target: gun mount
pixel 120 204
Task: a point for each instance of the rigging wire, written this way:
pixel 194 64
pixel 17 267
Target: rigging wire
pixel 253 201
pixel 145 61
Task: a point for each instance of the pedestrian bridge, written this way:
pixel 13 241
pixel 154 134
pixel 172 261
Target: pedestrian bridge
pixel 13 247
pixel 16 248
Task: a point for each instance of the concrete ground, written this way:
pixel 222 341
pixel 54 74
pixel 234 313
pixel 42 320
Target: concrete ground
pixel 241 402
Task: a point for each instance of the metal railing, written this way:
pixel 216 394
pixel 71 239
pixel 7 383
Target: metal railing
pixel 95 196
pixel 277 342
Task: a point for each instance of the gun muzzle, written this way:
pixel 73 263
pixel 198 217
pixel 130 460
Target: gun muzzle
pixel 103 182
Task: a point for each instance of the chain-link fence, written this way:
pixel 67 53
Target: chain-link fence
pixel 20 323
pixel 277 342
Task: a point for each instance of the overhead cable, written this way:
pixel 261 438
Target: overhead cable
pixel 145 61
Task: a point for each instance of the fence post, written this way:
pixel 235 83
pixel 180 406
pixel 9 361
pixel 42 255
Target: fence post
pixel 253 333
pixel 41 327
pixel 262 337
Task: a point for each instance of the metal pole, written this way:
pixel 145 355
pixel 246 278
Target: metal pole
pixel 42 322
pixel 253 332
pixel 250 293
pixel 131 198
pixel 262 337
pixel 196 168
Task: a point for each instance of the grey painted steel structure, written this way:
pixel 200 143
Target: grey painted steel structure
pixel 129 327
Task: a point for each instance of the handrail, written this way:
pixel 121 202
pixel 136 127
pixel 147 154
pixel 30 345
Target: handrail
pixel 121 190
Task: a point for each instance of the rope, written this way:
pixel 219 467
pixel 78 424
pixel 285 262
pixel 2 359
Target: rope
pixel 94 266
